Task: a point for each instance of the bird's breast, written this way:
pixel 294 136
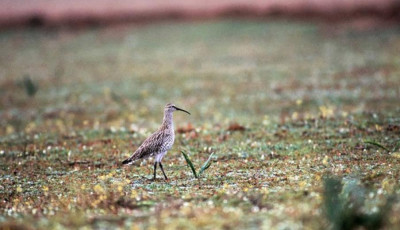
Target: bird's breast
pixel 169 139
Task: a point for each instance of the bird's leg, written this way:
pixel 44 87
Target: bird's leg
pixel 155 168
pixel 166 178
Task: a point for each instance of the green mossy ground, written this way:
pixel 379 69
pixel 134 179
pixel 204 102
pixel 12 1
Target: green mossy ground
pixel 308 96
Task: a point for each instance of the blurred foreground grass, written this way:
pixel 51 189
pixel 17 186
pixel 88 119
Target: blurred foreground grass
pixel 281 104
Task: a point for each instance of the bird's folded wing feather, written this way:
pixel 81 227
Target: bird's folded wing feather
pixel 149 147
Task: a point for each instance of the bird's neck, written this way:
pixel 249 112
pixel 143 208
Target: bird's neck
pixel 168 120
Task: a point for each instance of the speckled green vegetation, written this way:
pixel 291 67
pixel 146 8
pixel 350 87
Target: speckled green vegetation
pixel 282 105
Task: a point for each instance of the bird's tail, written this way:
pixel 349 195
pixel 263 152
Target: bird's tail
pixel 128 161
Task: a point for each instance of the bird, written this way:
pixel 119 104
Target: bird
pixel 158 143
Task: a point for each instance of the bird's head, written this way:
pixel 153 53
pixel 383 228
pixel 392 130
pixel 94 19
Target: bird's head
pixel 171 108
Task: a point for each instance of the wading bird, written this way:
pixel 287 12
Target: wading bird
pixel 158 143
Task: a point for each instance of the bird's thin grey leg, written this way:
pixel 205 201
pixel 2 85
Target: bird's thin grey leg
pixel 155 168
pixel 166 178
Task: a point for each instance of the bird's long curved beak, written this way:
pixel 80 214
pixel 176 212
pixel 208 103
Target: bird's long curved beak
pixel 181 110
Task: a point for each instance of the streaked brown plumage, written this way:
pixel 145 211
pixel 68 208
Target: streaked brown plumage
pixel 158 143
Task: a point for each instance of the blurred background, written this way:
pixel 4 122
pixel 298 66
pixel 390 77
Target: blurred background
pixel 114 63
pixel 60 12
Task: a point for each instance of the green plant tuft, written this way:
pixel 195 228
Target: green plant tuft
pixel 203 168
pixel 30 87
pixel 189 162
pixel 206 165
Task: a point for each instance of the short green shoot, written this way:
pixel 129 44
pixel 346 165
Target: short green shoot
pixel 203 168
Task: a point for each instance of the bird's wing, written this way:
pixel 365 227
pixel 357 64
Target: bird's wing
pixel 151 145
